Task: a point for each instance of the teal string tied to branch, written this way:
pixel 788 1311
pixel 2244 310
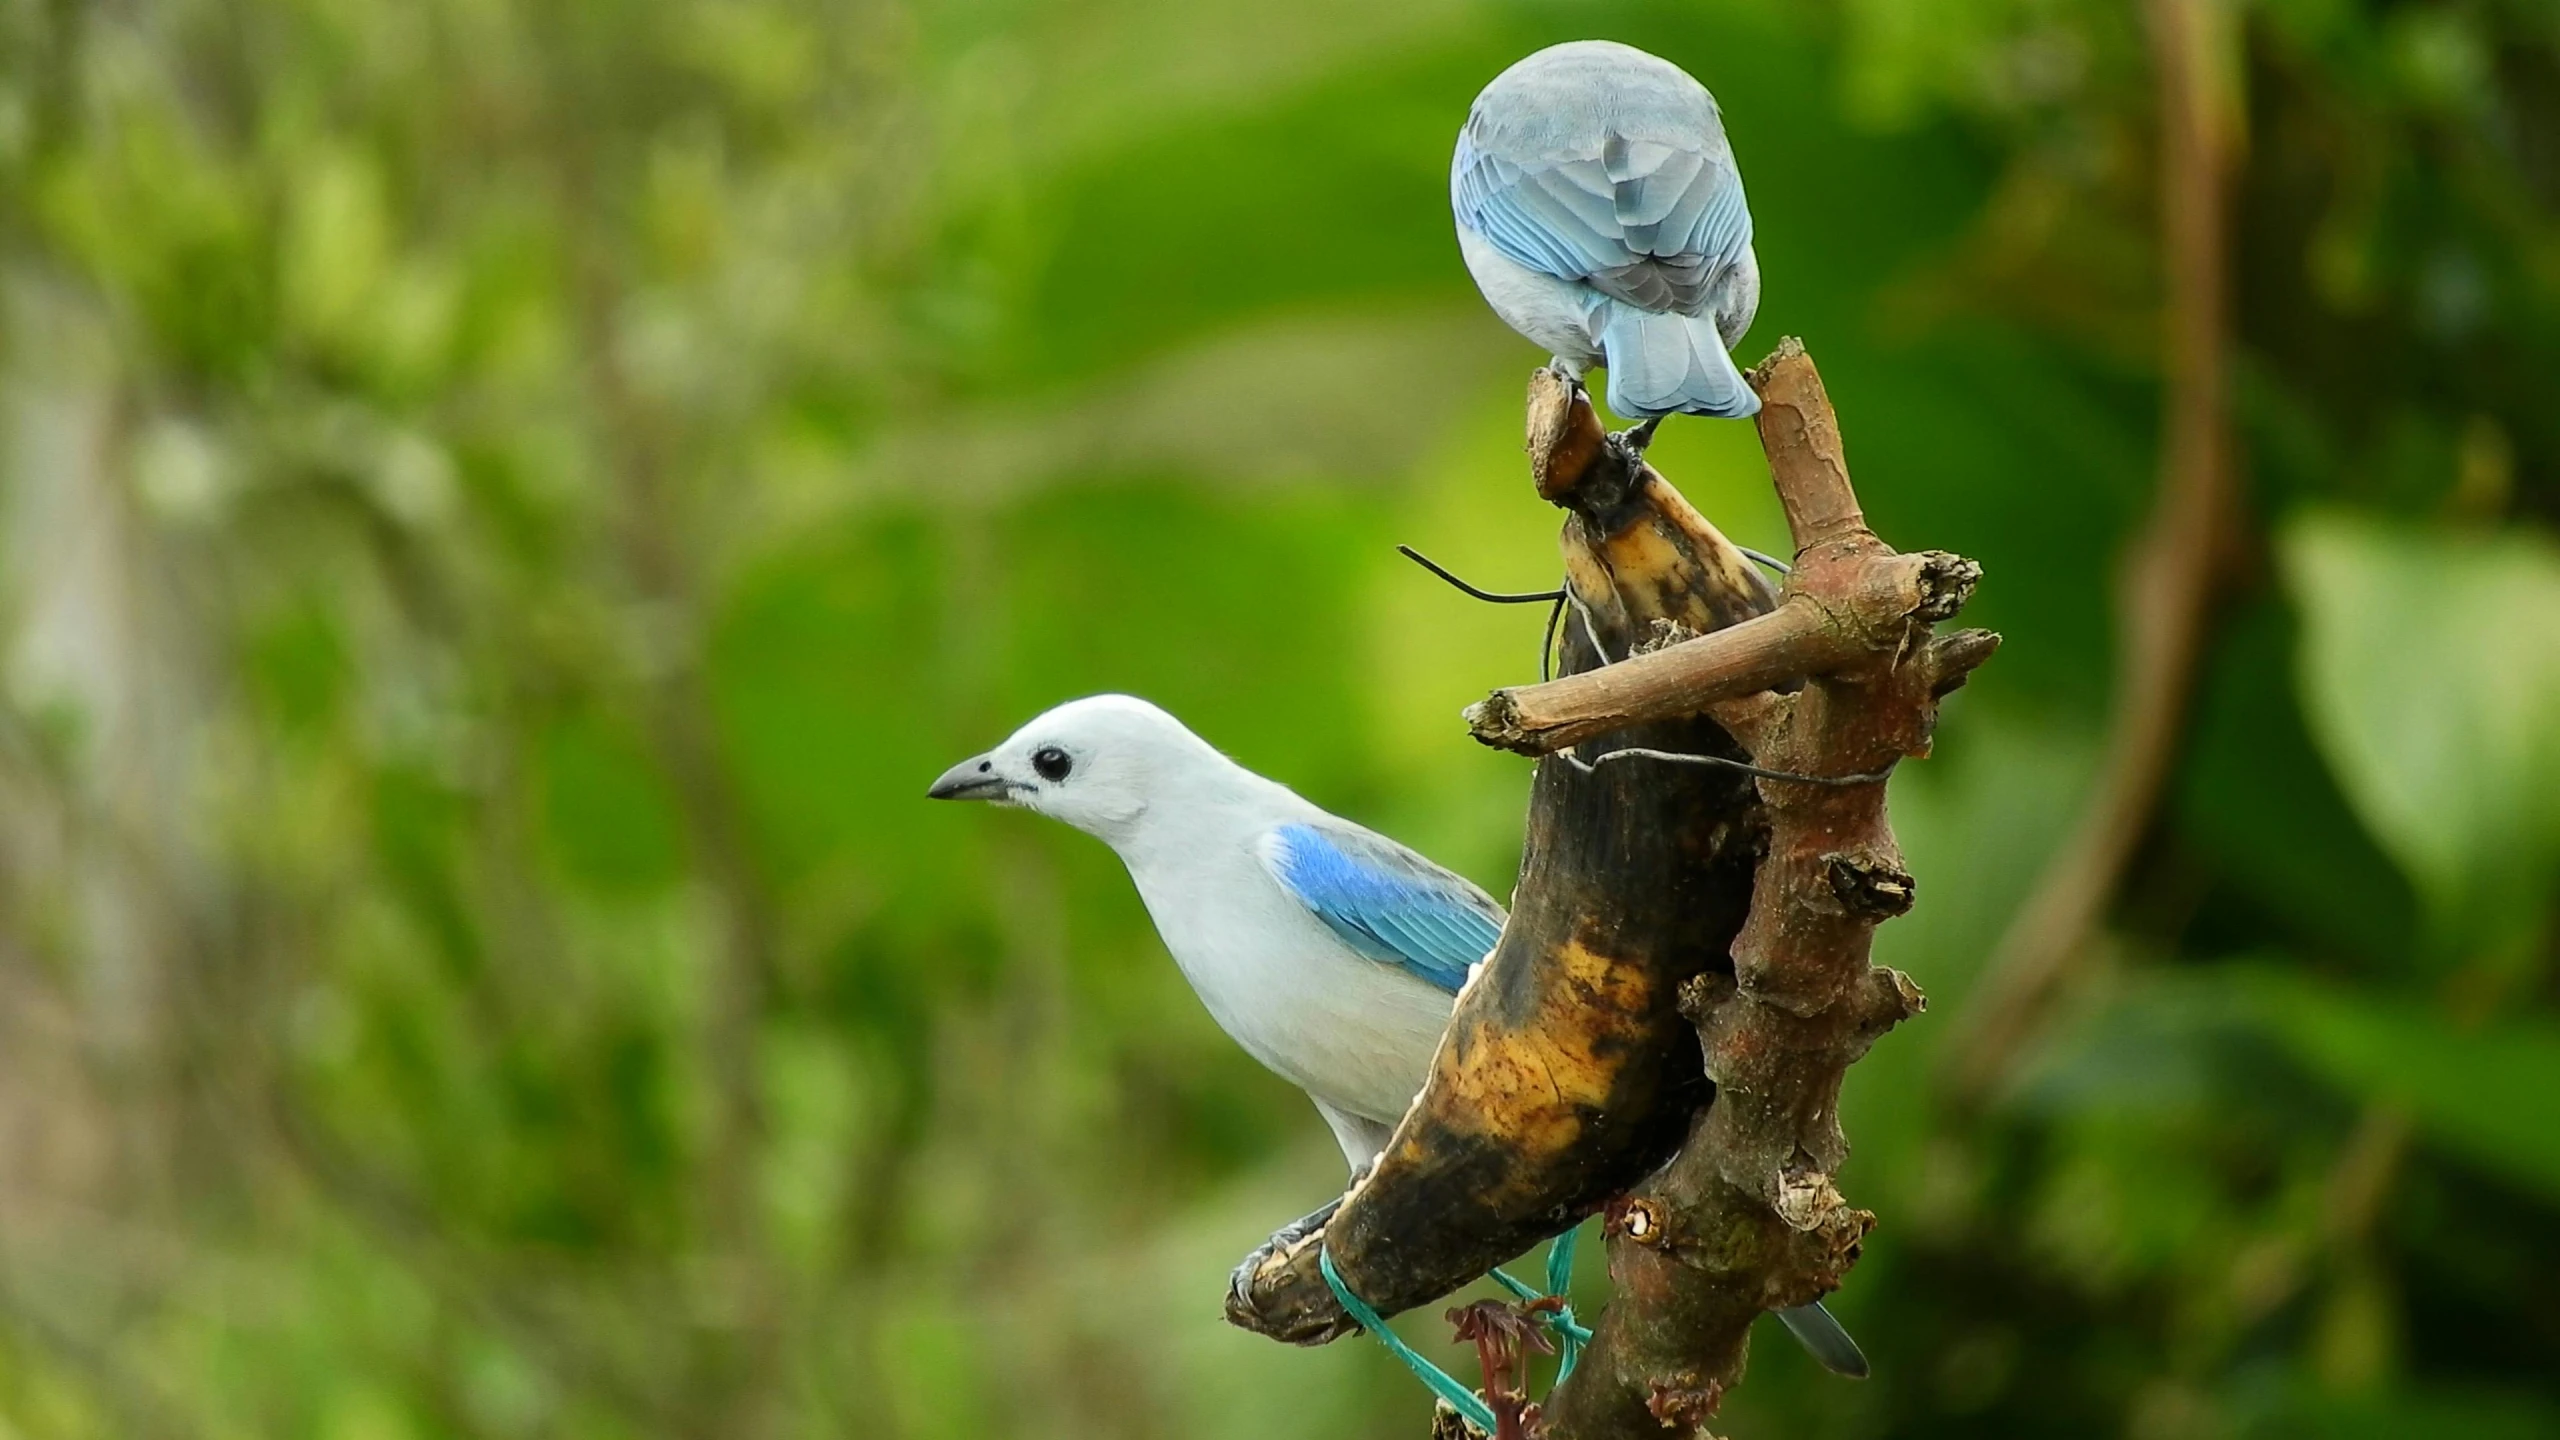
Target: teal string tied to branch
pixel 1570 1335
pixel 1440 1382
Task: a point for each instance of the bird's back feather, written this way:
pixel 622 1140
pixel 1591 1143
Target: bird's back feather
pixel 1600 163
pixel 1385 901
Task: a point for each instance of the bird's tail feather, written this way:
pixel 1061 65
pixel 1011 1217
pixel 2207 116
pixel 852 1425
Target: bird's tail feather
pixel 1814 1328
pixel 1670 364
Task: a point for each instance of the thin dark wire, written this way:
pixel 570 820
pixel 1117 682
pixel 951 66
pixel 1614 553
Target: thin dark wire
pixel 1553 599
pixel 1547 647
pixel 1493 597
pixel 1556 600
pixel 1588 767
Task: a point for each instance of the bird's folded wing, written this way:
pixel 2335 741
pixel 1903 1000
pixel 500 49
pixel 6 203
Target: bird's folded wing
pixel 1385 901
pixel 1647 223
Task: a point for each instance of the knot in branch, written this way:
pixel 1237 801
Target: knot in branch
pixel 1952 658
pixel 1638 1219
pixel 1868 886
pixel 1684 1403
pixel 1701 993
pixel 1806 1198
pixel 1892 997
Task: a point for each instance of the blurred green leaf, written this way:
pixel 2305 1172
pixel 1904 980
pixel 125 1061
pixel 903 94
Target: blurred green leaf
pixel 2430 668
pixel 2491 1094
pixel 609 816
pixel 2255 798
pixel 2437 1413
pixel 336 244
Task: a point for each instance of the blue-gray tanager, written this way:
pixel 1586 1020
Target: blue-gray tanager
pixel 1601 213
pixel 1331 953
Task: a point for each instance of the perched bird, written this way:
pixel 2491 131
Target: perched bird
pixel 1331 953
pixel 1601 213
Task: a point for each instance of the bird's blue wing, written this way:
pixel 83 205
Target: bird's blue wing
pixel 1384 900
pixel 1647 223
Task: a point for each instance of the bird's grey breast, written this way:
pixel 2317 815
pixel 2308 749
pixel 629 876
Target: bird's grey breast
pixel 1284 984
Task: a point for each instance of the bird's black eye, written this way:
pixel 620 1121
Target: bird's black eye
pixel 1052 762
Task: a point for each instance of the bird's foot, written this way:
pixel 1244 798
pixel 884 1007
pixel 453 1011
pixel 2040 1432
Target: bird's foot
pixel 1638 438
pixel 1240 1281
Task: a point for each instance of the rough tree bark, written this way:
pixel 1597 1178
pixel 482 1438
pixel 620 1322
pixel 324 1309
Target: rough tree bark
pixel 1626 1046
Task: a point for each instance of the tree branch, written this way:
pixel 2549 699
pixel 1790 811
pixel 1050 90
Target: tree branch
pixel 2164 600
pixel 1747 1216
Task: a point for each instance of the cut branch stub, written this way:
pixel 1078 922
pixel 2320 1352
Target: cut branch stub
pixel 1567 1073
pixel 1866 604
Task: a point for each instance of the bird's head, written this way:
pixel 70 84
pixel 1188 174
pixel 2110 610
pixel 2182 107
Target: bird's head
pixel 1095 763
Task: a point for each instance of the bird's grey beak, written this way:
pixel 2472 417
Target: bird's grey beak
pixel 971 779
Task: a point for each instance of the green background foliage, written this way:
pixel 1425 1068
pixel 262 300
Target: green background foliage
pixel 507 506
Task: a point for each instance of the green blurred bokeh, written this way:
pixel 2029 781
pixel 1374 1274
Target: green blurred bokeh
pixel 507 506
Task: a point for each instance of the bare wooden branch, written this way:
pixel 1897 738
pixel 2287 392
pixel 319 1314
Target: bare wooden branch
pixel 1677 679
pixel 1802 440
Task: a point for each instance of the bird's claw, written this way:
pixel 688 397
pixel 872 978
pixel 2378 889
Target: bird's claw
pixel 1240 1280
pixel 1638 438
pixel 1284 1239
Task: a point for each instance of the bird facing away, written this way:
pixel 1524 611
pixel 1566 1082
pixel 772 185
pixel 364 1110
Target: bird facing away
pixel 1600 210
pixel 1331 953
